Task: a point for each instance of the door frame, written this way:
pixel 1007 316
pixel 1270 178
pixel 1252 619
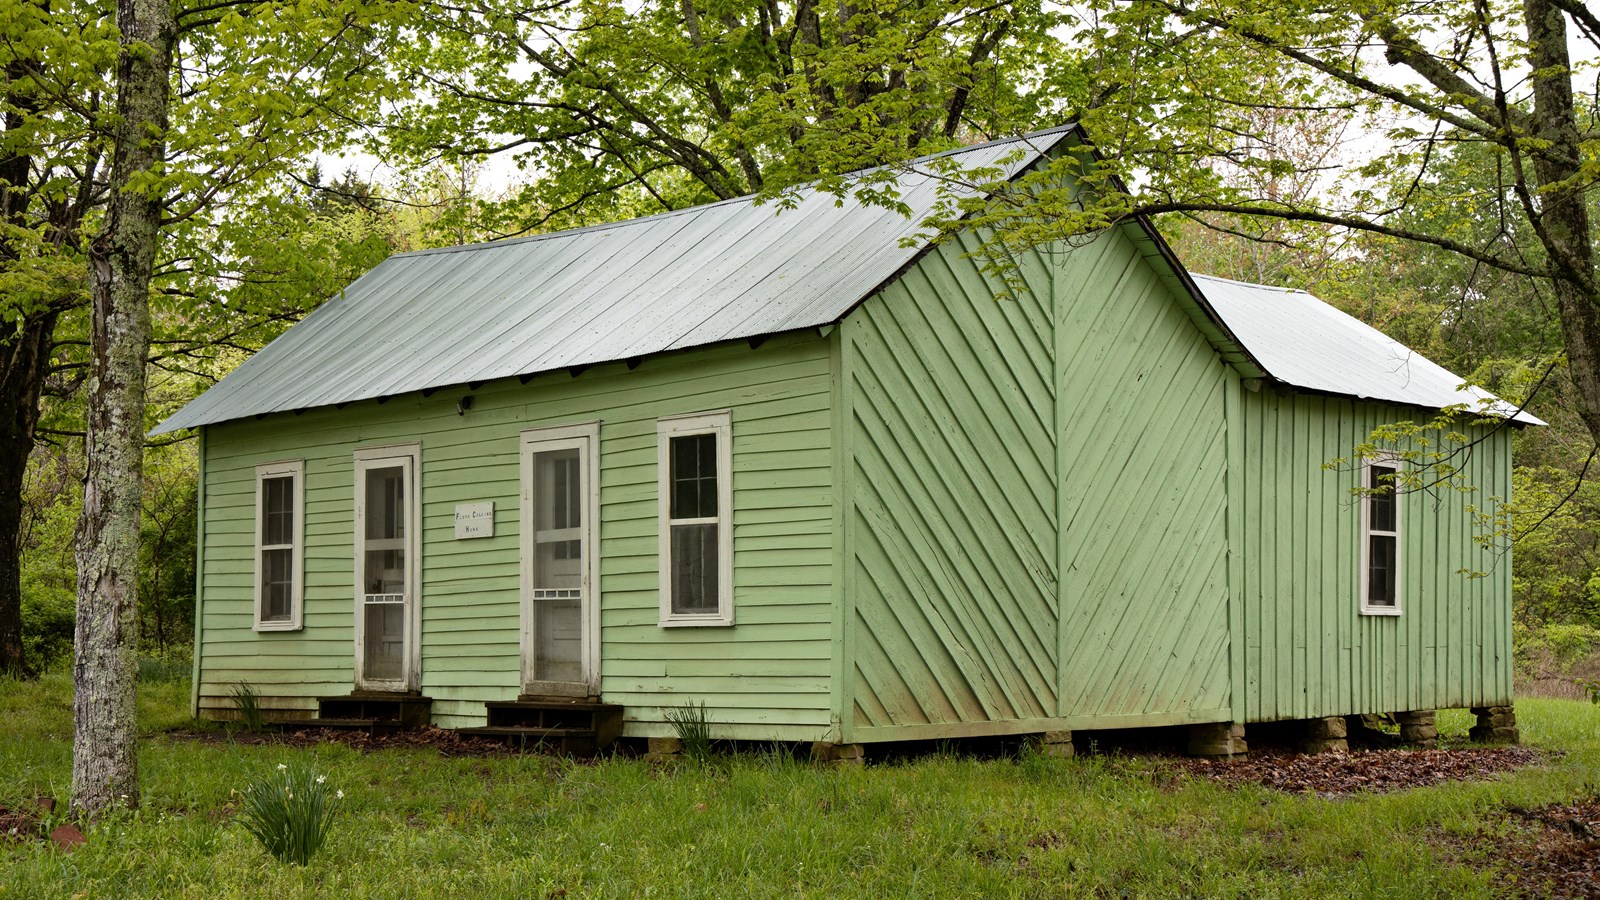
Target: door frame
pixel 409 455
pixel 586 436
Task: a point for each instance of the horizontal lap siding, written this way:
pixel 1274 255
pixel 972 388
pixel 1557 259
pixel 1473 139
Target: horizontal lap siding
pixel 1144 631
pixel 1309 651
pixel 950 549
pixel 766 676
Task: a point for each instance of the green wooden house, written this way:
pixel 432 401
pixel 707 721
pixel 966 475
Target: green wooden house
pixel 803 468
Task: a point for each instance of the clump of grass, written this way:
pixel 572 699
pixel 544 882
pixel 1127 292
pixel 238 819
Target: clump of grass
pixel 290 811
pixel 248 704
pixel 693 727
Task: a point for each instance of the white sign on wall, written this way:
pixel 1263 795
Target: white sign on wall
pixel 474 520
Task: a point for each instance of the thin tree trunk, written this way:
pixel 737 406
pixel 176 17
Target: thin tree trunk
pixel 121 259
pixel 23 364
pixel 1568 234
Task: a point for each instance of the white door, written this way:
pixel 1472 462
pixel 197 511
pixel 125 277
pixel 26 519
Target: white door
pixel 386 529
pixel 560 509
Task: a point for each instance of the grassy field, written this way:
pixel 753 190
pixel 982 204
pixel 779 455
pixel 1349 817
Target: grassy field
pixel 415 824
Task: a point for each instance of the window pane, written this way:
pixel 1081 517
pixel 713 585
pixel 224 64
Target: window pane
pixel 384 562
pixel 277 585
pixel 693 468
pixel 1381 552
pixel 277 510
pixel 386 503
pixel 1381 516
pixel 694 568
pixel 555 488
pixel 383 643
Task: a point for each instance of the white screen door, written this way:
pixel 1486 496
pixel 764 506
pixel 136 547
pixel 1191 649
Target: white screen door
pixel 560 505
pixel 386 569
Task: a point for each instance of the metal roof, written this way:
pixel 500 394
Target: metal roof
pixel 679 279
pixel 725 271
pixel 1304 342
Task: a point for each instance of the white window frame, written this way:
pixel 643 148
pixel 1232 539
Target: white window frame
pixel 1387 460
pixel 295 469
pixel 719 423
pixel 377 457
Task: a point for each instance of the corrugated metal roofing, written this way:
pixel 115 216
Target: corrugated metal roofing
pixel 680 279
pixel 1304 342
pixel 726 271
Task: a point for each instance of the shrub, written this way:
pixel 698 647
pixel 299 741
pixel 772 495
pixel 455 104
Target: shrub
pixel 248 704
pixel 290 811
pixel 693 727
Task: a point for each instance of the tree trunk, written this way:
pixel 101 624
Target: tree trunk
pixel 121 259
pixel 1567 234
pixel 23 364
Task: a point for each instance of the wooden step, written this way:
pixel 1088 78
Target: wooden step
pixel 371 726
pixel 407 710
pixel 573 741
pixel 598 717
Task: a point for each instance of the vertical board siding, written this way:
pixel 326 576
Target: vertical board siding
pixel 767 676
pixel 950 519
pixel 1143 498
pixel 1308 650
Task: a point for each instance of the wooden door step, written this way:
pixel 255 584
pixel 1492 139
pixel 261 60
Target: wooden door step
pixel 394 711
pixel 604 720
pixel 569 741
pixel 371 726
pixel 565 724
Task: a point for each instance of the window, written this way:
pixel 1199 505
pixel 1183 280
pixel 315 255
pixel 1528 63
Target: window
pixel 279 531
pixel 695 461
pixel 1380 538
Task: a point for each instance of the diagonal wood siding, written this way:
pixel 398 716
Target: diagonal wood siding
pixel 1143 502
pixel 950 498
pixel 1309 651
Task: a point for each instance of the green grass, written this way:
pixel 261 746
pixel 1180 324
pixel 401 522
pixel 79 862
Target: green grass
pixel 415 824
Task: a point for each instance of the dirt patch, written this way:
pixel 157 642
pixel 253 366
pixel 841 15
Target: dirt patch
pixel 18 825
pixel 1562 857
pixel 443 740
pixel 1361 771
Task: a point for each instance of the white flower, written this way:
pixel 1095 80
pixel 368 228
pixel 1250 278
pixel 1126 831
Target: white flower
pixel 282 767
pixel 338 795
pixel 321 778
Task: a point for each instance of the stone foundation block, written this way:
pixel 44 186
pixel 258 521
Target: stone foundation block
pixel 1496 725
pixel 1053 743
pixel 1217 739
pixel 837 754
pixel 662 747
pixel 1417 727
pixel 1325 735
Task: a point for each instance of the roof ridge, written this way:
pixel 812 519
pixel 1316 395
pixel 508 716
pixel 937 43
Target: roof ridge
pixel 743 198
pixel 1255 284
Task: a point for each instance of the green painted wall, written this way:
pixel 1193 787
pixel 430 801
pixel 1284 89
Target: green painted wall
pixel 1143 502
pixel 766 677
pixel 949 493
pixel 1309 651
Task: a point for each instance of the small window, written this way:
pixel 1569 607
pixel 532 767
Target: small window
pixel 1380 536
pixel 279 545
pixel 695 460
